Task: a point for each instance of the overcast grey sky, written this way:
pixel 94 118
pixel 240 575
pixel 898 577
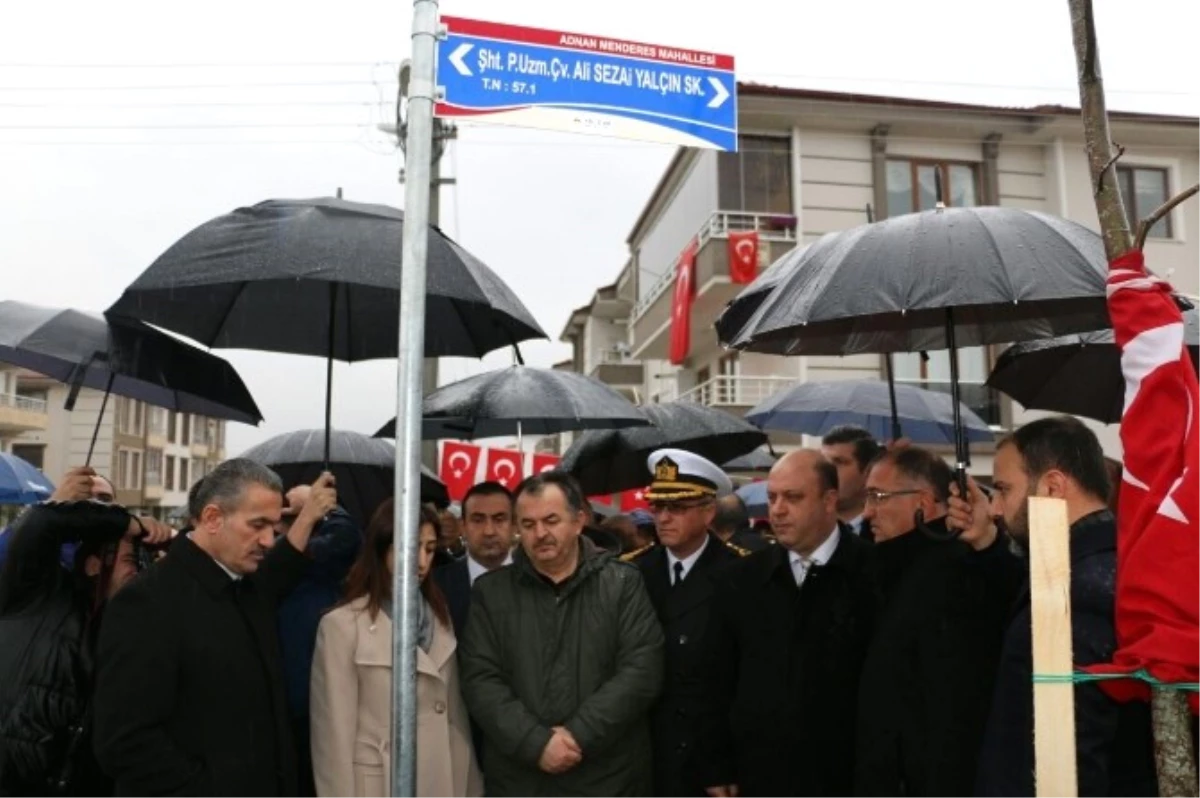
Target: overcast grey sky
pixel 125 124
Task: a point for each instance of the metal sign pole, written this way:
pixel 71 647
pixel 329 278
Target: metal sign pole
pixel 418 158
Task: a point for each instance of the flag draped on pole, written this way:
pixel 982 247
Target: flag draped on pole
pixel 743 257
pixel 545 462
pixel 1158 541
pixel 681 304
pixel 505 466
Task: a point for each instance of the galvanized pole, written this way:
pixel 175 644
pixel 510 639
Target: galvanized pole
pixel 418 157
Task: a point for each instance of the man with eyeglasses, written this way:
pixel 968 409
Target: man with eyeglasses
pixel 682 499
pixel 927 678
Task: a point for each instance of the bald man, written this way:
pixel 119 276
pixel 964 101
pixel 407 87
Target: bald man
pixel 789 627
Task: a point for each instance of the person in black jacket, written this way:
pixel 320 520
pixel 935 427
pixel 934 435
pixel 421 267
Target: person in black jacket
pixel 927 678
pixel 852 449
pixel 49 618
pixel 678 577
pixel 1114 748
pixel 189 693
pixel 788 630
pixel 489 531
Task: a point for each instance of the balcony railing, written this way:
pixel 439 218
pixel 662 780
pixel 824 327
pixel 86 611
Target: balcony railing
pixel 770 227
pixel 22 403
pixel 730 391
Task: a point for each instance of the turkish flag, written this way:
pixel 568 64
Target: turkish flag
pixel 634 499
pixel 681 304
pixel 459 461
pixel 603 498
pixel 743 257
pixel 1158 545
pixel 505 466
pixel 545 462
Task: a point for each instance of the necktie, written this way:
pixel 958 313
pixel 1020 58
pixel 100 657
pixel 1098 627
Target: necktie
pixel 800 569
pixel 678 573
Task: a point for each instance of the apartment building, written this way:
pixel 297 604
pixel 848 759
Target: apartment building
pixel 810 163
pixel 151 455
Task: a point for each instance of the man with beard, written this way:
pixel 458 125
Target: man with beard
pixel 683 499
pixel 1061 458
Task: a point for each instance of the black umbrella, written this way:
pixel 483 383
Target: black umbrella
pixel 125 358
pixel 1077 374
pixel 321 277
pixel 522 400
pixel 742 308
pixel 996 274
pixel 611 461
pixel 364 467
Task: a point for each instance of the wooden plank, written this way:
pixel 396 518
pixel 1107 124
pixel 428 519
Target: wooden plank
pixel 1050 595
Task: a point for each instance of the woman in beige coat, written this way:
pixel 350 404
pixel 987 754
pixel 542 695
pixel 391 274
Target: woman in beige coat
pixel 352 674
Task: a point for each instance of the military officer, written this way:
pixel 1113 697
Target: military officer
pixel 682 497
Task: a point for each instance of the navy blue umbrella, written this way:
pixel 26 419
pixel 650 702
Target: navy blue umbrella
pixel 815 408
pixel 754 496
pixel 21 482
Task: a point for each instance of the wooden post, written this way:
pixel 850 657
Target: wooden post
pixel 1050 597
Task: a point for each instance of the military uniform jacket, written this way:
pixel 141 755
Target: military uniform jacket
pixel 683 612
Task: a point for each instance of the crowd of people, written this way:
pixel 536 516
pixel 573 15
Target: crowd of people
pixel 876 642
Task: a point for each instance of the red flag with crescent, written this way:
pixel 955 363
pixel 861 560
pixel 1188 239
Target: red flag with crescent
pixel 743 257
pixel 459 462
pixel 505 466
pixel 1158 545
pixel 681 304
pixel 545 462
pixel 634 499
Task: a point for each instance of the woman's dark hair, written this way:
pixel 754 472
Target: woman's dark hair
pixel 369 575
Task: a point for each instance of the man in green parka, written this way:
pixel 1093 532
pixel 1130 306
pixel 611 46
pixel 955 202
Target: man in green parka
pixel 563 658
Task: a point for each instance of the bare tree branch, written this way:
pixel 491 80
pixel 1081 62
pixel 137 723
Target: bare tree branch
pixel 1143 228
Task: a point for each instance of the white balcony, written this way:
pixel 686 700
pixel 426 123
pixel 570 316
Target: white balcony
pixel 730 391
pixel 22 414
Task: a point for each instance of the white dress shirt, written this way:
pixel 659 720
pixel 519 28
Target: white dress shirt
pixel 856 523
pixel 801 565
pixel 687 562
pixel 475 570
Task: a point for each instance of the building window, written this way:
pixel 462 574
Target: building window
pixel 154 467
pixel 1144 189
pixel 172 420
pixel 185 428
pixel 912 185
pixel 135 465
pixel 39 394
pixel 931 371
pixel 158 422
pixel 183 474
pixel 123 469
pixel 170 480
pixel 34 454
pixel 758 177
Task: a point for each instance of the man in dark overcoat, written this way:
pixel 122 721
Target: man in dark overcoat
pixel 190 689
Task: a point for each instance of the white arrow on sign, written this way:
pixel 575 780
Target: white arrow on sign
pixel 456 58
pixel 722 93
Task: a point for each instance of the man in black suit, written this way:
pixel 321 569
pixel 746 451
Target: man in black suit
pixel 678 575
pixel 487 524
pixel 851 449
pixel 788 631
pixel 189 692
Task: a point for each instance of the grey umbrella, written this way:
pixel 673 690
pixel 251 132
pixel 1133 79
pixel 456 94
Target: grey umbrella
pixel 128 359
pixel 1077 374
pixel 757 460
pixel 612 461
pixel 814 408
pixel 522 400
pixel 363 466
pixel 320 277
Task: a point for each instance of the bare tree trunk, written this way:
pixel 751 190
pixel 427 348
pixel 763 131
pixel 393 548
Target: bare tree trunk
pixel 1174 755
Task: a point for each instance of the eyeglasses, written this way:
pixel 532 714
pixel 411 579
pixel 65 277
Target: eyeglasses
pixel 674 508
pixel 880 496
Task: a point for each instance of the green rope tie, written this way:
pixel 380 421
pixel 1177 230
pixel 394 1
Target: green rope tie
pixel 1080 677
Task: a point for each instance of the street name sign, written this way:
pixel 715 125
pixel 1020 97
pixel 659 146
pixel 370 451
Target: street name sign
pixel 578 83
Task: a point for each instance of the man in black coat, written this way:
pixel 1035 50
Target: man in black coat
pixel 189 691
pixel 927 679
pixel 489 531
pixel 788 630
pixel 678 575
pixel 1114 748
pixel 851 449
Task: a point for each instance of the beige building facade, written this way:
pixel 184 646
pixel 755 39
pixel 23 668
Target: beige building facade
pixel 811 163
pixel 151 455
